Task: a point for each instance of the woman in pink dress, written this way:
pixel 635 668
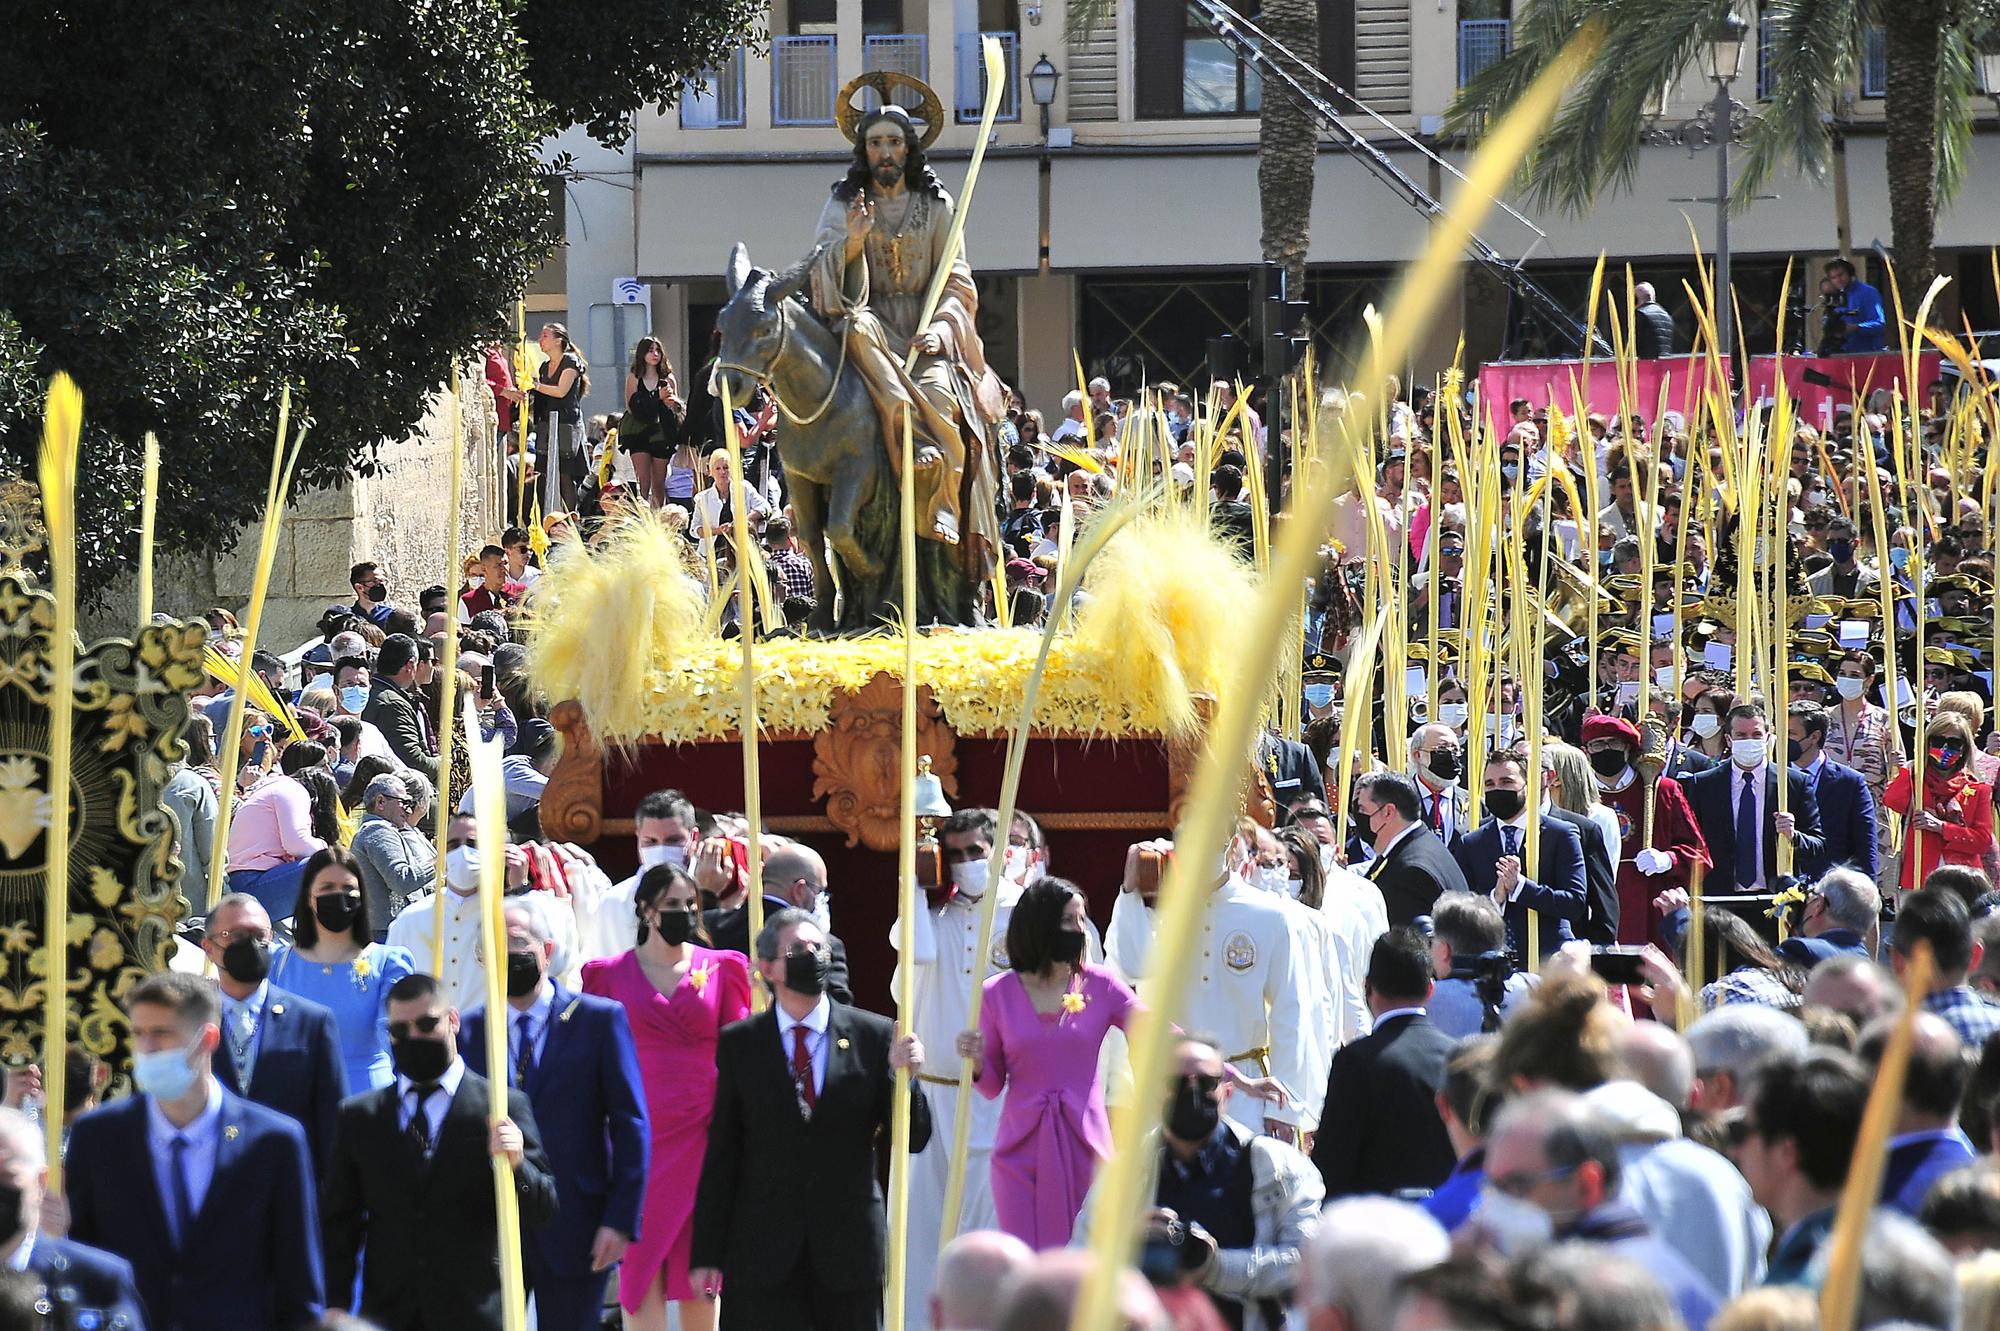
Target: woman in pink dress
pixel 678 996
pixel 1040 1029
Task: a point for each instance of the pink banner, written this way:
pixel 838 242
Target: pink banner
pixel 1818 384
pixel 1852 377
pixel 1561 382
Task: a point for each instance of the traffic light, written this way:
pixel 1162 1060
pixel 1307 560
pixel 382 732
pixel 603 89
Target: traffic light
pixel 1277 320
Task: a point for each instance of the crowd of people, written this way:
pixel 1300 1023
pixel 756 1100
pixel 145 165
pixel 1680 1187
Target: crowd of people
pixel 1566 1022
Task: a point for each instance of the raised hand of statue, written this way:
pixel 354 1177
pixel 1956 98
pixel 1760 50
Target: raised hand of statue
pixel 860 221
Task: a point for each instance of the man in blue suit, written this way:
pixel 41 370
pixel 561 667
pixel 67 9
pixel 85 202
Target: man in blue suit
pixel 80 1283
pixel 1494 859
pixel 1736 808
pixel 208 1195
pixel 1846 809
pixel 572 1054
pixel 278 1049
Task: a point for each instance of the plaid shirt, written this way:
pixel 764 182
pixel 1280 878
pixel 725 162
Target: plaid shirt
pixel 1750 985
pixel 795 573
pixel 1970 1015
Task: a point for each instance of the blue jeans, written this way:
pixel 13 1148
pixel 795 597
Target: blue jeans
pixel 276 888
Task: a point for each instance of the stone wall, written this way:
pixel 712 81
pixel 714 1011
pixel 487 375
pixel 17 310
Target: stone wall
pixel 395 517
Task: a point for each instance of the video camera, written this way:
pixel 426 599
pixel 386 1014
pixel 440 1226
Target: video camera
pixel 1488 973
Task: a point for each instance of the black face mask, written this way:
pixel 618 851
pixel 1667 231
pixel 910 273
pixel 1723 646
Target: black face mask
pixel 1842 551
pixel 1192 1113
pixel 336 913
pixel 12 1222
pixel 676 927
pixel 805 972
pixel 1794 750
pixel 1608 762
pixel 1067 947
pixel 247 960
pixel 1443 764
pixel 423 1061
pixel 1506 805
pixel 379 592
pixel 524 972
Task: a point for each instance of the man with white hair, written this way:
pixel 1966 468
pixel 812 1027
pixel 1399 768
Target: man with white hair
pixel 1652 326
pixel 1855 987
pixel 1729 1043
pixel 975 1274
pixel 1842 916
pixel 1072 431
pixel 1353 1269
pixel 83 1286
pixel 397 860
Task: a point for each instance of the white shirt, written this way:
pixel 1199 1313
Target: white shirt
pixel 537 1014
pixel 464 976
pixel 1249 990
pixel 436 1106
pixel 1446 802
pixel 948 966
pixel 1520 838
pixel 1395 1012
pixel 815 1025
pixel 1352 910
pixel 1755 793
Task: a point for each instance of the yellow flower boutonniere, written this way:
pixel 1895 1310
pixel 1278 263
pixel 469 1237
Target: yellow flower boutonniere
pixel 363 968
pixel 1072 1002
pixel 698 979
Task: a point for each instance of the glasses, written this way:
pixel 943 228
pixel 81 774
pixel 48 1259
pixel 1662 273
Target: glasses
pixel 1525 1181
pixel 228 936
pixel 400 1030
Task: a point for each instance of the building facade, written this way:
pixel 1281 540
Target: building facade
pixel 1125 232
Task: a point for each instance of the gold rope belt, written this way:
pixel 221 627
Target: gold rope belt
pixel 937 1080
pixel 1261 1056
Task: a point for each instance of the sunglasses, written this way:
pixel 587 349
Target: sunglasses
pixel 428 1025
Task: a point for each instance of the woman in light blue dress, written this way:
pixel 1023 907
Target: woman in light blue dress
pixel 334 961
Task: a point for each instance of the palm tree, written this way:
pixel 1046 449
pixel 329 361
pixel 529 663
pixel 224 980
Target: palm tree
pixel 1813 51
pixel 1287 137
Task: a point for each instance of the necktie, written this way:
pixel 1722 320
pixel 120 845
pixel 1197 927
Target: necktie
pixel 1510 843
pixel 524 1055
pixel 802 1070
pixel 183 1195
pixel 1746 833
pixel 243 1044
pixel 1437 814
pixel 420 1122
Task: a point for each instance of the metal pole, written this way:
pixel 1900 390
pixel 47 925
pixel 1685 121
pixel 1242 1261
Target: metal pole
pixel 1725 314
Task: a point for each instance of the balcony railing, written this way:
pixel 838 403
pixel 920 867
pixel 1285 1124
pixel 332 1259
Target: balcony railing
pixel 971 95
pixel 1481 43
pixel 900 52
pixel 802 80
pixel 1875 62
pixel 714 99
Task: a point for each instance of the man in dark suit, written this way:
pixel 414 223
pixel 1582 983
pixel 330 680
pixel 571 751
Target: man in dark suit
pixel 788 1213
pixel 278 1049
pixel 1493 857
pixel 1846 808
pixel 1736 808
pixel 412 1176
pixel 208 1195
pixel 1410 869
pixel 395 709
pixel 1292 773
pixel 1379 1130
pixel 79 1283
pixel 794 879
pixel 573 1055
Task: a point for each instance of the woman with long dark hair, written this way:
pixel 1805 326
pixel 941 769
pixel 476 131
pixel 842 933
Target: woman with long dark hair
pixel 334 960
pixel 679 993
pixel 1041 1026
pixel 556 397
pixel 655 418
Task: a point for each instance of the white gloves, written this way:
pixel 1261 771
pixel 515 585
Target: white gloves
pixel 1653 862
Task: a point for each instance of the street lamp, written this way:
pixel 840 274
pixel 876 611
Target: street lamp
pixel 1989 70
pixel 1042 81
pixel 1725 61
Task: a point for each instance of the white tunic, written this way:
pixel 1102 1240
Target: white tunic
pixel 464 977
pixel 1250 987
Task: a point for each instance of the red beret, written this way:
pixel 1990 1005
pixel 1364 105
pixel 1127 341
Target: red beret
pixel 1600 726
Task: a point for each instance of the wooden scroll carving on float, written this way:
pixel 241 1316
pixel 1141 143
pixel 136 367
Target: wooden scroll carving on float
pixel 131 711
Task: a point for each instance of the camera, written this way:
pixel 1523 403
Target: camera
pixel 1488 972
pixel 1165 1259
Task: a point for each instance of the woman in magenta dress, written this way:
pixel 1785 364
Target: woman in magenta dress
pixel 1040 1028
pixel 678 995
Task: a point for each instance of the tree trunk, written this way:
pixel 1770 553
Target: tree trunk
pixel 1287 142
pixel 1912 31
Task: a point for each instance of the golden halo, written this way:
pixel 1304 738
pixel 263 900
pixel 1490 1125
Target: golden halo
pixel 929 111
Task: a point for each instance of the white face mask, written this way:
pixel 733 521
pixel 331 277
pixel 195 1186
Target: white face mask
pixel 1294 886
pixel 822 909
pixel 1849 687
pixel 1453 714
pixel 1022 866
pixel 1327 863
pixel 649 856
pixel 461 868
pixel 1272 877
pixel 1747 753
pixel 1663 677
pixel 970 878
pixel 1515 1225
pixel 1705 724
